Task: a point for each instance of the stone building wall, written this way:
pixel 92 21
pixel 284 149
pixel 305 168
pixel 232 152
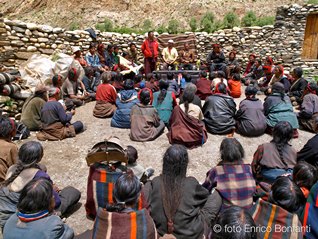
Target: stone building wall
pixel 283 41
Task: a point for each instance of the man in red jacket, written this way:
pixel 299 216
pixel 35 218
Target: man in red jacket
pixel 150 50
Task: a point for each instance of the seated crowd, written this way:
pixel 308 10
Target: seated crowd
pixel 279 187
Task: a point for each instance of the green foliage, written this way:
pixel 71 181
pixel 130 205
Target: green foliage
pixel 312 2
pixel 173 26
pixel 207 22
pixel 249 19
pixel 106 26
pixel 263 21
pixel 147 25
pixel 193 24
pixel 74 26
pixel 126 30
pixel 231 20
pixel 161 29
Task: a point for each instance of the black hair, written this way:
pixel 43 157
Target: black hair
pixel 149 76
pixel 71 74
pixel 36 196
pixel 149 33
pixel 170 76
pixel 305 174
pixel 231 151
pixel 157 76
pixel 236 77
pixel 282 134
pixel 222 88
pixel 188 97
pixel 109 47
pixel 7 126
pixel 174 169
pixel 286 194
pixel 251 90
pixel 118 77
pixel 298 71
pixel 55 80
pixel 128 84
pixel 92 45
pixel 313 86
pixel 238 218
pixel 163 86
pixel 126 192
pixel 89 71
pixel 221 74
pixel 132 44
pixel 203 74
pixel 116 47
pixel 259 61
pixel 279 88
pixel 124 54
pixel 187 78
pixel 30 153
pixel 138 78
pixel 145 97
pixel 132 154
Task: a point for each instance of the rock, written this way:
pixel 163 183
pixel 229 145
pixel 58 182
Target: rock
pixel 41 39
pixel 33 39
pixel 28 32
pixel 57 30
pixel 45 28
pixel 47 51
pixel 18 29
pixel 54 46
pixel 17 43
pixel 24 39
pixel 31 48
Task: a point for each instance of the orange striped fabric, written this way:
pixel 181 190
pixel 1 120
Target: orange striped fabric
pixel 133 232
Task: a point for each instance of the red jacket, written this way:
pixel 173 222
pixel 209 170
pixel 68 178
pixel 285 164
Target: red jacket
pixel 145 48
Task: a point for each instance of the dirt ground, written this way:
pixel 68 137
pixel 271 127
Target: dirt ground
pixel 65 160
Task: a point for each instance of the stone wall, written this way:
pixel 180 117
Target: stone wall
pixel 19 40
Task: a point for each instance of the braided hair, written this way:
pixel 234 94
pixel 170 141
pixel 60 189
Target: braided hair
pixel 163 86
pixel 30 154
pixel 188 96
pixel 282 134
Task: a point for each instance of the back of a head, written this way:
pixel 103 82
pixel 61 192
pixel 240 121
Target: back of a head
pixel 187 78
pixel 221 74
pixel 190 90
pixel 282 132
pixel 175 161
pixel 128 84
pixel 163 85
pixel 36 196
pixel 298 71
pixel 237 219
pixel 278 88
pixel 106 77
pixel 41 91
pixel 250 90
pixel 149 76
pixel 312 87
pixel 55 80
pixel 236 77
pixel 286 194
pixel 138 78
pixel 203 74
pixel 305 175
pixel 221 87
pixel 30 153
pixel 132 154
pixel 145 97
pixel 170 76
pixel 127 189
pixel 89 71
pixel 7 126
pixel 231 151
pixel 72 74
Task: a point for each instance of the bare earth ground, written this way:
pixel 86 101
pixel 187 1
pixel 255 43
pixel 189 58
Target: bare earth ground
pixel 65 160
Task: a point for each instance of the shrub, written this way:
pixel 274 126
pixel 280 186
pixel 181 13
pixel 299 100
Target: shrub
pixel 263 21
pixel 74 26
pixel 126 30
pixel 193 24
pixel 231 20
pixel 147 25
pixel 249 19
pixel 207 22
pixel 312 2
pixel 173 26
pixel 106 26
pixel 161 29
pixel 217 25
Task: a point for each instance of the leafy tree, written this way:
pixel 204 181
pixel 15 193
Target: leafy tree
pixel 147 25
pixel 249 19
pixel 193 24
pixel 231 20
pixel 106 26
pixel 207 22
pixel 161 29
pixel 267 20
pixel 173 26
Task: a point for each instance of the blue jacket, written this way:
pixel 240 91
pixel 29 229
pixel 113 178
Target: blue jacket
pixel 125 101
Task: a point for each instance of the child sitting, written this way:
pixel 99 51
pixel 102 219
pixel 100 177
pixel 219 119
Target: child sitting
pixel 235 85
pixel 141 173
pixel 232 178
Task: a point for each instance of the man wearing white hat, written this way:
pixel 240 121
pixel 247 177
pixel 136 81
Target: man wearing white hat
pixel 169 55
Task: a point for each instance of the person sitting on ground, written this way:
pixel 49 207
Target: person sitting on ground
pixel 298 86
pixel 178 204
pixel 229 171
pixel 118 81
pixel 101 53
pixel 170 55
pixel 139 171
pixel 232 64
pixel 152 82
pixel 70 88
pixel 34 217
pixel 187 57
pixel 173 84
pixel 308 115
pixel 238 218
pixel 235 85
pixel 164 101
pixel 133 53
pixel 305 176
pixel 219 111
pixel 249 66
pixel 57 81
pixel 145 122
pixel 186 126
pixel 92 59
pixel 116 55
pixel 90 82
pixel 105 97
pixel 203 86
pixel 31 110
pixel 79 57
pixel 28 168
pixel 277 107
pixel 126 99
pixel 309 153
pixel 279 77
pixel 280 211
pixel 8 149
pixel 196 100
pixel 216 59
pixel 256 73
pixel 277 157
pixel 268 69
pixel 121 219
pixel 250 118
pixel 217 78
pixel 109 57
pixel 56 123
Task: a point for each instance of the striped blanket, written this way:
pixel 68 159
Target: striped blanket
pixel 310 214
pixel 179 40
pixel 100 184
pixel 133 225
pixel 274 222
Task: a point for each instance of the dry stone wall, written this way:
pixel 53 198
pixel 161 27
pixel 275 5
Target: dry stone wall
pixel 283 41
